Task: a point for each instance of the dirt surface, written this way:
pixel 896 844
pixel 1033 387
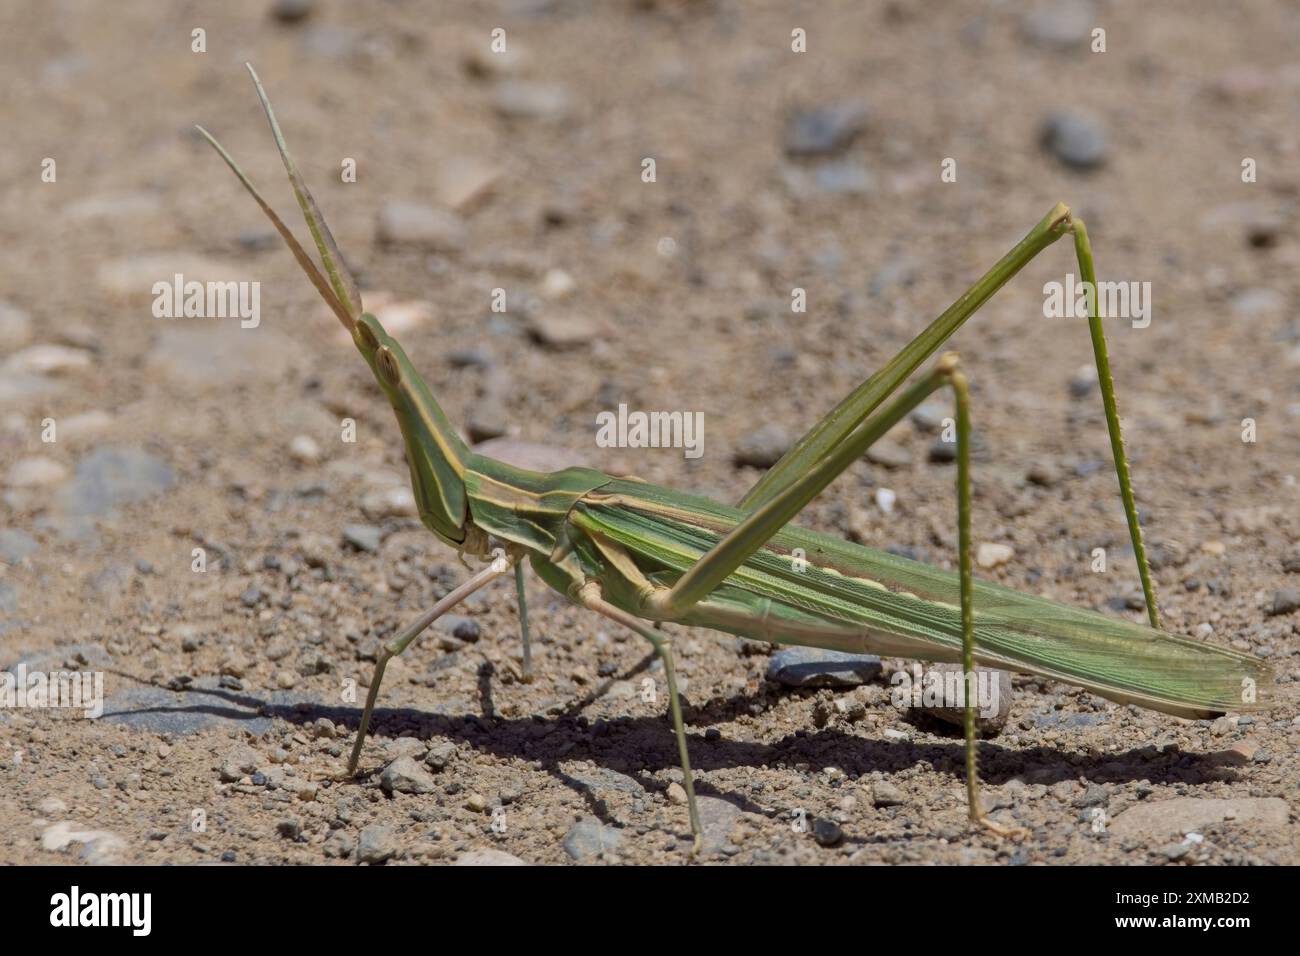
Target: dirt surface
pixel 227 720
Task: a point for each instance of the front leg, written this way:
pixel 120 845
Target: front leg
pixel 500 565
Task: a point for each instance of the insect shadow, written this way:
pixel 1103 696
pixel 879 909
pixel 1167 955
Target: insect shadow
pixel 630 751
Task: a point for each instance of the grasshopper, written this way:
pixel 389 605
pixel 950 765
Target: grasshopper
pixel 643 555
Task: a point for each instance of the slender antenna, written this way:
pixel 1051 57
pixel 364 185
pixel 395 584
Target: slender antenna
pixel 345 288
pixel 299 253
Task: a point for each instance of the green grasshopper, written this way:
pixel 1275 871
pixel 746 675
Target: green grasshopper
pixel 643 555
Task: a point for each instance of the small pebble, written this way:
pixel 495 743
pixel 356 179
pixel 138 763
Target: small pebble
pixel 1077 141
pixel 404 775
pixel 763 448
pixel 1285 600
pixel 563 331
pixel 376 844
pixel 827 832
pixel 886 794
pixel 824 131
pixel 991 555
pixel 362 537
pixel 533 101
pixel 403 222
pixel 557 284
pixel 290 829
pixel 304 449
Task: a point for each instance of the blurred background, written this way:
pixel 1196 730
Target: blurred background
pixel 523 171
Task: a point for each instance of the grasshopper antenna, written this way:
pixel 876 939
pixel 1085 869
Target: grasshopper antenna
pixel 340 290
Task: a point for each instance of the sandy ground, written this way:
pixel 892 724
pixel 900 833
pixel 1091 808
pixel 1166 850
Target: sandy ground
pixel 187 440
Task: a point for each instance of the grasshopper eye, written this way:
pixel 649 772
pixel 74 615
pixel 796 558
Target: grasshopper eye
pixel 389 370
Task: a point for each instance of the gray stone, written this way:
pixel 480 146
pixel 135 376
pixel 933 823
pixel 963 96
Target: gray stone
pixel 563 330
pixel 998 680
pixel 1174 851
pixel 824 131
pixel 404 222
pixel 886 794
pixel 540 101
pixel 362 537
pixel 929 416
pixel 404 775
pixel 376 844
pixel 440 754
pixel 943 452
pixel 397 501
pixel 464 182
pixel 462 628
pixel 763 447
pixel 1045 474
pixel 290 829
pixel 815 667
pixel 487 419
pixel 1076 140
pixel 1285 600
pixel 827 832
pixel 15 545
pixel 888 454
pixel 589 837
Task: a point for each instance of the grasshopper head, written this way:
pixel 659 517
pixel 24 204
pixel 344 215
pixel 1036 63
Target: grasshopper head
pixel 434 451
